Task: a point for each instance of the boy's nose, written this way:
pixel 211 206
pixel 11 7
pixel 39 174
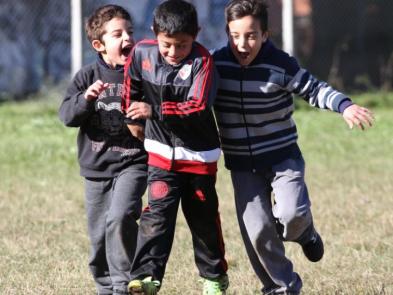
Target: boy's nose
pixel 127 36
pixel 172 51
pixel 242 43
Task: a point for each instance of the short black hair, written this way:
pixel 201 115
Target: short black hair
pixel 175 16
pixel 237 9
pixel 95 23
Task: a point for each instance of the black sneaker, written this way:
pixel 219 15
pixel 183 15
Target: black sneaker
pixel 313 249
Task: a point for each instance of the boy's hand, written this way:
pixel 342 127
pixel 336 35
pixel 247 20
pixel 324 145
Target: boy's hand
pixel 95 89
pixel 137 131
pixel 139 110
pixel 359 116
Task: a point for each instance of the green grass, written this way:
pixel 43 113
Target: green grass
pixel 44 246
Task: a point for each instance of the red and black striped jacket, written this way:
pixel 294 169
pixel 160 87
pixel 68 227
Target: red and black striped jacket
pixel 182 134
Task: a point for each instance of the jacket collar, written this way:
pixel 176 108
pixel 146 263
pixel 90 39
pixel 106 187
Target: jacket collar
pixel 102 62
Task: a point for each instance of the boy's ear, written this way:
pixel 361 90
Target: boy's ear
pixel 265 35
pixel 196 35
pixel 98 45
pixel 199 29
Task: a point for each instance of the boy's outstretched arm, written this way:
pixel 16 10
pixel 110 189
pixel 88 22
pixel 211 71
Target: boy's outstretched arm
pixel 321 95
pixel 356 115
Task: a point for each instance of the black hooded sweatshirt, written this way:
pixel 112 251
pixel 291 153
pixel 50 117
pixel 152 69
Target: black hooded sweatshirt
pixel 105 145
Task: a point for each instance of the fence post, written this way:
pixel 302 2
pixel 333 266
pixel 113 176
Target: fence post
pixel 76 36
pixel 287 26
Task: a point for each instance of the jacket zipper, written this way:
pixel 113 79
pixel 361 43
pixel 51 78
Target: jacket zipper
pixel 244 116
pixel 164 74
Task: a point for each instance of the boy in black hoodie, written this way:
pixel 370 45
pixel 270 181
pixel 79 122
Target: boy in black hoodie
pixel 112 161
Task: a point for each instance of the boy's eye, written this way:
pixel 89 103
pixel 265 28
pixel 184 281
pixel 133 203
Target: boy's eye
pixel 130 31
pixel 116 34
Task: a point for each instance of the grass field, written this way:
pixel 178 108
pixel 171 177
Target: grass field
pixel 43 242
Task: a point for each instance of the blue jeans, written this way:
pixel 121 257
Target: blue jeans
pixel 113 206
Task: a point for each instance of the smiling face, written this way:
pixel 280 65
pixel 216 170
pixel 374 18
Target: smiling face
pixel 116 43
pixel 246 38
pixel 174 48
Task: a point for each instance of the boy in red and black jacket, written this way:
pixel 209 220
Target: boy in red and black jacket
pixel 171 82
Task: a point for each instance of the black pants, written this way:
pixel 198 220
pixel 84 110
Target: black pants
pixel 157 224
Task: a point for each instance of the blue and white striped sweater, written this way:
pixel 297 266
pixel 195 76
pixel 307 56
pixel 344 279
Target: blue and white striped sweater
pixel 254 106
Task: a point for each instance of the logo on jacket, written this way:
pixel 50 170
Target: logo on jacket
pixel 146 65
pixel 185 71
pixel 108 107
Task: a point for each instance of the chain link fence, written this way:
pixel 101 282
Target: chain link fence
pixel 348 43
pixel 210 14
pixel 34 45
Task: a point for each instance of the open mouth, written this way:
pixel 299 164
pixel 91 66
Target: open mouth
pixel 126 50
pixel 243 55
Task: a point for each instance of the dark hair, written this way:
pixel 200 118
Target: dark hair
pixel 237 9
pixel 175 16
pixel 95 23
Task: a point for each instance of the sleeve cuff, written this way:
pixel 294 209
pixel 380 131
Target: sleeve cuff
pixel 344 104
pixel 130 121
pixel 85 104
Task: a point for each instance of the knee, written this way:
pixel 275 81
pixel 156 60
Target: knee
pixel 135 211
pixel 294 223
pixel 120 217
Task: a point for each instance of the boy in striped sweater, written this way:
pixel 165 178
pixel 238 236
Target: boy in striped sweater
pixel 258 136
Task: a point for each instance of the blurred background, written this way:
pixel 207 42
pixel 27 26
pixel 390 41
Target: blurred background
pixel 347 43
